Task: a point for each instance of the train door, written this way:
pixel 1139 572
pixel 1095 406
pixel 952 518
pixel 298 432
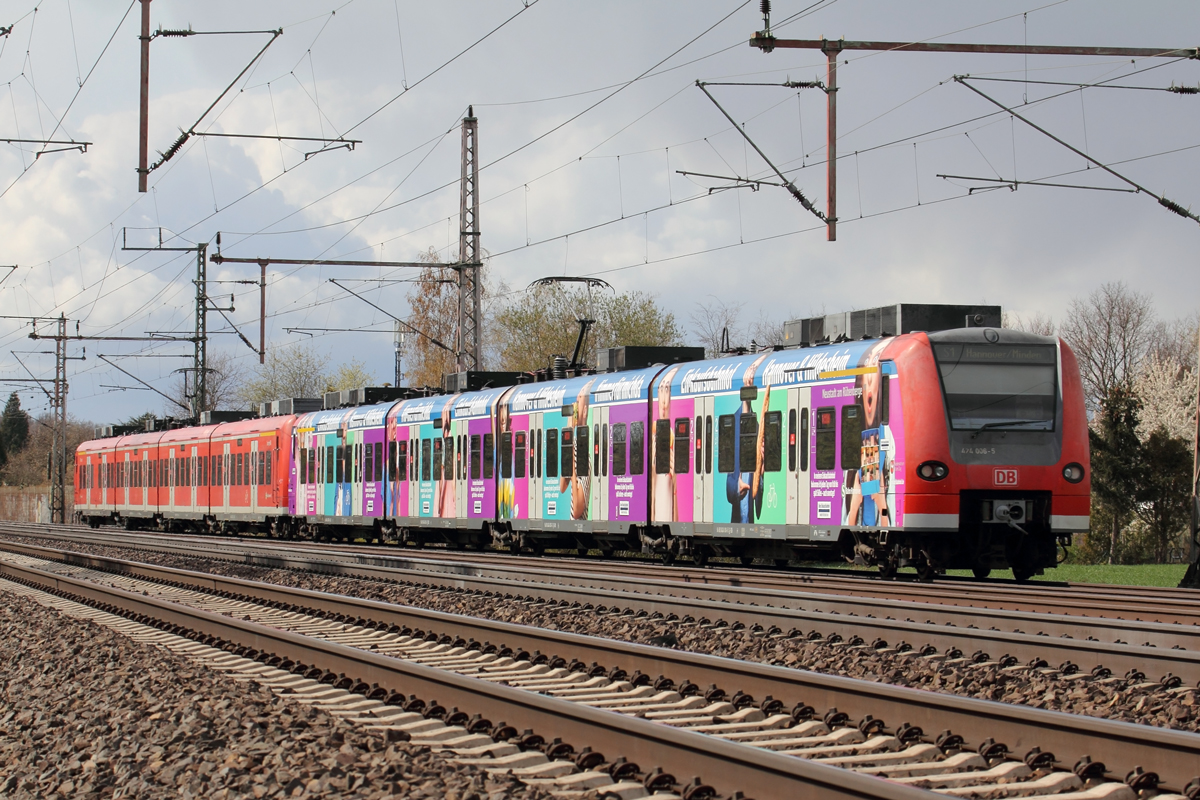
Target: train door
pixel 535 466
pixel 798 426
pixel 225 473
pixel 145 478
pixel 414 474
pixel 702 492
pixel 255 471
pixel 598 502
pixel 462 483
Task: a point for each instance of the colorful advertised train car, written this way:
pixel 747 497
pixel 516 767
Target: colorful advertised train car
pixel 957 449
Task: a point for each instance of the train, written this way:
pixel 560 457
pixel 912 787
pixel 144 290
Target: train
pixel 954 449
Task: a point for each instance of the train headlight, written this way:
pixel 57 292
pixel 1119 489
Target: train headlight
pixel 1073 472
pixel 932 471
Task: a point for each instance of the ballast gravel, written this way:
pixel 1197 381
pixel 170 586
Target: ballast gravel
pixel 1112 698
pixel 88 713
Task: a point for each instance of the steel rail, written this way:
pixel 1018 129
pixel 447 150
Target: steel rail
pixel 1141 604
pixel 1173 755
pixel 727 766
pixel 940 632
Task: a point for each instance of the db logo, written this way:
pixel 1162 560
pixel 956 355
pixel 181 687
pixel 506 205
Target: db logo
pixel 1006 477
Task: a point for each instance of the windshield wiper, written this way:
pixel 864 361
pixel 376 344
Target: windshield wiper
pixel 1008 423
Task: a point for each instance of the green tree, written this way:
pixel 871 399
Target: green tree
pixel 1164 499
pixel 1116 461
pixel 349 375
pixel 289 371
pixel 14 427
pixel 543 323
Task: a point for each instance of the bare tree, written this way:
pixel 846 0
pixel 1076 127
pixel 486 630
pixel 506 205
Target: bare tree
pixel 225 376
pixel 710 320
pixel 766 332
pixel 1038 323
pixel 1111 331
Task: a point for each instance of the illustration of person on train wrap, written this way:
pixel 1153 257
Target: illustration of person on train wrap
pixel 867 489
pixel 663 457
pixel 577 479
pixel 743 486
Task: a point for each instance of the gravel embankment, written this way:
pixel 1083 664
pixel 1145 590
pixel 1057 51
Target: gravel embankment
pixel 1112 699
pixel 88 713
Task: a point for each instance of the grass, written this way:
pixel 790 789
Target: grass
pixel 1167 575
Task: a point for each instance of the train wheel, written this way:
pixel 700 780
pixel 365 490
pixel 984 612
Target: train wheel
pixel 926 569
pixel 982 572
pixel 607 553
pixel 668 558
pixel 1022 573
pixel 888 568
pixel 700 558
pixel 746 560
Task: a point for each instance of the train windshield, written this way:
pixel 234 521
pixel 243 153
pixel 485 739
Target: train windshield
pixel 999 386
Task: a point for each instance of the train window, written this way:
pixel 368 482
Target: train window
pixel 271 455
pixel 604 449
pixel 448 472
pixel 340 464
pixel 402 460
pixel 426 466
pixel 476 456
pixel 566 451
pixel 462 456
pixel 552 453
pixel 237 471
pixel 885 400
pixel 699 455
pixel 489 456
pixel 791 450
pixel 596 449
pixel 618 449
pixel 438 459
pixel 262 468
pixel 852 428
pixel 637 448
pixel 804 444
pixel 391 460
pixel 826 438
pixel 708 444
pixel 748 443
pixel 538 449
pixel 519 458
pixel 725 435
pixel 506 455
pixel 773 441
pixel 378 473
pixel 683 436
pixel 662 446
pixel 583 449
pixel 303 464
pixel 366 462
pixel 330 461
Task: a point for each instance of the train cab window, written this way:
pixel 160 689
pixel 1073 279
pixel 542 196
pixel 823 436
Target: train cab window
pixel 791 448
pixel 773 441
pixel 662 446
pixel 476 456
pixel 725 437
pixel 596 449
pixel 804 443
pixel 637 448
pixel 618 449
pixel 426 466
pixel 448 471
pixel 538 449
pixel 583 449
pixel 567 451
pixel 604 454
pixel 489 456
pixel 402 460
pixel 826 438
pixel 852 428
pixel 683 442
pixel 438 459
pixel 506 454
pixel 520 455
pixel 552 453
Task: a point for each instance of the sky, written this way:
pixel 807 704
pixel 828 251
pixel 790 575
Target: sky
pixel 588 114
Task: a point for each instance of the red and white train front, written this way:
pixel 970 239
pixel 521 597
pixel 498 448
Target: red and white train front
pixel 996 469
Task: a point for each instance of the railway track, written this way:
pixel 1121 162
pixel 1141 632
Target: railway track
pixel 1166 656
pixel 743 733
pixel 1136 604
